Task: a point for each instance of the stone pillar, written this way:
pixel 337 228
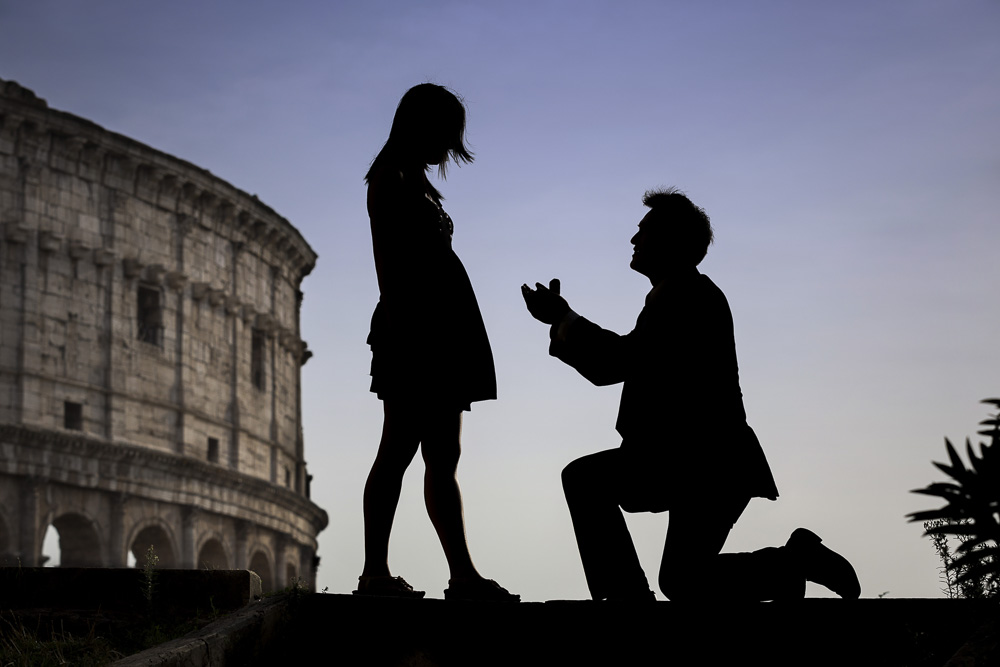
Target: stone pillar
pixel 237 333
pixel 301 485
pixel 27 335
pixel 280 563
pixel 188 557
pixel 106 268
pixel 175 283
pixel 16 236
pixel 116 532
pixel 240 550
pixel 29 547
pixel 272 345
pixel 310 565
pixel 105 272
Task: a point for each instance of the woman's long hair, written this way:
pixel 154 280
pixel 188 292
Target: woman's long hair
pixel 428 115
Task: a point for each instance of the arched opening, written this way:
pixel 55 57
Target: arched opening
pixel 212 556
pixel 71 541
pixel 291 575
pixel 50 548
pixel 262 567
pixel 156 537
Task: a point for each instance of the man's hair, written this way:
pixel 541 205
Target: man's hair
pixel 687 224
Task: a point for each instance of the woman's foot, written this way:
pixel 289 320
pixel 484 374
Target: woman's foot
pixel 386 587
pixel 484 590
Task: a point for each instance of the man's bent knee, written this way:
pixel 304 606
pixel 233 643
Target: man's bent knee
pixel 577 473
pixel 680 585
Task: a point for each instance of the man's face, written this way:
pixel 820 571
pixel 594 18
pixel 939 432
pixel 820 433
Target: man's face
pixel 651 254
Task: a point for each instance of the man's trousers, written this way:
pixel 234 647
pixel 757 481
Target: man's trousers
pixel 599 486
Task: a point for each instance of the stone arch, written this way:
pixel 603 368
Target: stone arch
pixel 79 540
pixel 261 564
pixel 212 555
pixel 155 533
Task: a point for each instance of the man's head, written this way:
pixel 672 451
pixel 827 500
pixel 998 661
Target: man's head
pixel 675 234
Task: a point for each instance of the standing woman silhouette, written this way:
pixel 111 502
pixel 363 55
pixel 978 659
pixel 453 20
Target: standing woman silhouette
pixel 431 357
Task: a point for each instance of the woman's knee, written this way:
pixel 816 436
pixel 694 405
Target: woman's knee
pixel 441 450
pixel 395 452
pixel 392 463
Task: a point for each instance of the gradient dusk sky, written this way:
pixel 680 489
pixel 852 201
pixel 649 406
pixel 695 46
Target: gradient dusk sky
pixel 848 154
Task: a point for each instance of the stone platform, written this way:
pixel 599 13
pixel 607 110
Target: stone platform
pixel 354 631
pixel 307 628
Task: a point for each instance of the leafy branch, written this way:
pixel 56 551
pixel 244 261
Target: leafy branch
pixel 971 515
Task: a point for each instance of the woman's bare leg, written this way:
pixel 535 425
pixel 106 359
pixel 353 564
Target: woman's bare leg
pixel 400 439
pixel 441 447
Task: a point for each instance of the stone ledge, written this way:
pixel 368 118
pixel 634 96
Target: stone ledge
pixel 236 639
pixel 121 589
pixel 194 482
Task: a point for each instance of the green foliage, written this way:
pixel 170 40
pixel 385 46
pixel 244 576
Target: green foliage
pixel 955 584
pixel 971 515
pixel 21 646
pixel 149 574
pixel 296 587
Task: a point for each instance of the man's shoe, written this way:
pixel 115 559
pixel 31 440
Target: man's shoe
pixel 822 565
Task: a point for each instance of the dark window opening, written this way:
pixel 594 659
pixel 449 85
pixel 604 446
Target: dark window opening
pixel 288 477
pixel 213 450
pixel 258 353
pixel 150 316
pixel 73 416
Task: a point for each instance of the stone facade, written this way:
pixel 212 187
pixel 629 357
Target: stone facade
pixel 150 357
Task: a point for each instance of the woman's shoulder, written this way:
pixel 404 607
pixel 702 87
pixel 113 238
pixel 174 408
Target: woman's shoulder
pixel 386 187
pixel 395 191
pixel 391 182
pixel 385 177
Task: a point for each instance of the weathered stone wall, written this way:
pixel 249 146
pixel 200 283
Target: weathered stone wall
pixel 146 303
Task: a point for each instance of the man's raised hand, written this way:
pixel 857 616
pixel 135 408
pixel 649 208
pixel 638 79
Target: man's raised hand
pixel 544 303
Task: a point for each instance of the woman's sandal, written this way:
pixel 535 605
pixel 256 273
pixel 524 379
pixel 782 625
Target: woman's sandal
pixel 386 587
pixel 480 590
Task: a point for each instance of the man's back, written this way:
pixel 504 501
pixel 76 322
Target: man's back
pixel 681 407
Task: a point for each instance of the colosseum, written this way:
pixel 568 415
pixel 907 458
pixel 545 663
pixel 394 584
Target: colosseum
pixel 150 358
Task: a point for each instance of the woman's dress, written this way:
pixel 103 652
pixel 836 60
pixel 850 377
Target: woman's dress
pixel 428 340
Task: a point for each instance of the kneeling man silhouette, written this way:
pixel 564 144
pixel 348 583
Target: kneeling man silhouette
pixel 686 445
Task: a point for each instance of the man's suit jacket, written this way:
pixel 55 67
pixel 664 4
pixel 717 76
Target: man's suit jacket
pixel 681 415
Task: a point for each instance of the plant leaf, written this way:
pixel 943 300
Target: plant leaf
pixel 939 488
pixel 958 474
pixel 956 462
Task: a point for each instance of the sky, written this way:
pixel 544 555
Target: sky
pixel 848 154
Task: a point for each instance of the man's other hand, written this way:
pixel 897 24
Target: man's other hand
pixel 544 303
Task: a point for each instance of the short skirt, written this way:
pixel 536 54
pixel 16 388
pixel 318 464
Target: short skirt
pixel 440 361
